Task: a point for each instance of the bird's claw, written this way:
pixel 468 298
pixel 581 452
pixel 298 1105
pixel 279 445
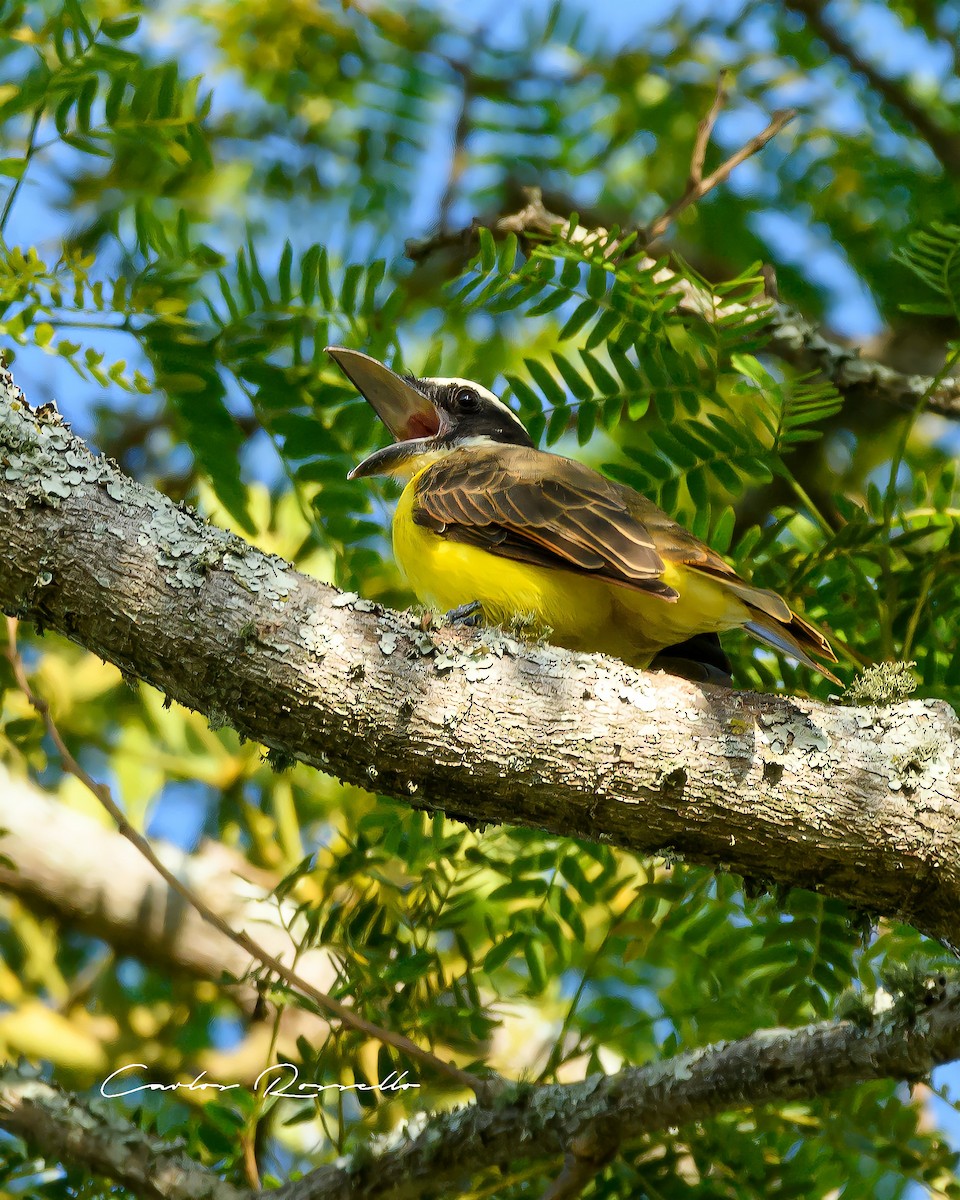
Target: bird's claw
pixel 469 615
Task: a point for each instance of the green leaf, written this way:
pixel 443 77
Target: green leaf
pixel 933 255
pixel 118 28
pixel 488 250
pixel 323 280
pixel 549 302
pixel 508 254
pixel 536 965
pixel 348 290
pixel 499 954
pixel 605 329
pixel 551 389
pixel 580 387
pixel 256 275
pixel 113 104
pixel 557 424
pixel 583 313
pixel 283 272
pixel 586 422
pixel 375 275
pixel 602 377
pixel 308 274
pixel 573 873
pixel 596 282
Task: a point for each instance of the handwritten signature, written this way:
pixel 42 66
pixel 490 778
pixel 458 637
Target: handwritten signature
pixel 282 1081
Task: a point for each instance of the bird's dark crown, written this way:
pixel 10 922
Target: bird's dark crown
pixel 470 411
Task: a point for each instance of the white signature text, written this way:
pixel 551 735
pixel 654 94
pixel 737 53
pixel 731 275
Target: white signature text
pixel 282 1081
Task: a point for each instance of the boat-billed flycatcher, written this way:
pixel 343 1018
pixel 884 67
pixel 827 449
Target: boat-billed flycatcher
pixel 487 517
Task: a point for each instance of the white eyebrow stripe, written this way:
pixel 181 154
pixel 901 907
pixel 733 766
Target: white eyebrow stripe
pixel 485 392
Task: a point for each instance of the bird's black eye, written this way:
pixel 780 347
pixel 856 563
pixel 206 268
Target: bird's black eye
pixel 467 399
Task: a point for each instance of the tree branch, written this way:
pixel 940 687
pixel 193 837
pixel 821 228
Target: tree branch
pixel 64 1128
pixel 771 1066
pixel 593 1117
pixel 944 144
pixel 697 187
pixel 861 803
pixel 791 336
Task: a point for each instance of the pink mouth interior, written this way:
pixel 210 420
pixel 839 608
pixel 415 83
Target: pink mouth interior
pixel 421 425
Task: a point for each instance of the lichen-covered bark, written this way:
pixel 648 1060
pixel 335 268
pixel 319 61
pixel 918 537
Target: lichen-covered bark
pixel 863 803
pixel 66 1129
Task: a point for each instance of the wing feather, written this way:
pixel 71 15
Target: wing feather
pixel 527 505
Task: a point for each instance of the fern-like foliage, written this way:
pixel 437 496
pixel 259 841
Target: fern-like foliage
pixel 933 255
pixel 710 419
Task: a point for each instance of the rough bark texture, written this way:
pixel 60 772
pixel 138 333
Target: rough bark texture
pixel 67 1129
pixel 605 1110
pixel 863 804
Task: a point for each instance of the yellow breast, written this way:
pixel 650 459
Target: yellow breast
pixel 583 612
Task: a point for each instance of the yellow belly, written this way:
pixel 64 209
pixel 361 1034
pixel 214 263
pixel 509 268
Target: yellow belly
pixel 583 612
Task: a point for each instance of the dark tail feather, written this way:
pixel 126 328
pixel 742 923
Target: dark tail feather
pixel 699 658
pixel 796 638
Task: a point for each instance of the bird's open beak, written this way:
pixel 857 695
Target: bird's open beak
pixel 409 415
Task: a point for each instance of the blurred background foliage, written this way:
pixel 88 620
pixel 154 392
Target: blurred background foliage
pixel 196 199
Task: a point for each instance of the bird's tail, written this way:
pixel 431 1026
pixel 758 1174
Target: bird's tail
pixel 773 622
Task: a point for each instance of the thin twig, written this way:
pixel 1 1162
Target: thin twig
pixel 572 1180
pixel 587 1157
pixel 705 129
pixel 697 187
pixel 458 152
pixel 345 1015
pixel 18 182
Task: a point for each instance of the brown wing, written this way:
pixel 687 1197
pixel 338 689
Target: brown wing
pixel 543 509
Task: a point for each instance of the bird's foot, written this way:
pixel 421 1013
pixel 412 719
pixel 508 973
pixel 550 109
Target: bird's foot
pixel 469 615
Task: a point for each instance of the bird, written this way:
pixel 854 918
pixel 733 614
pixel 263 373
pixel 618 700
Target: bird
pixel 488 524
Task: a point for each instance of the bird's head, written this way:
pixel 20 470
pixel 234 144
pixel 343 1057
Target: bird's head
pixel 427 417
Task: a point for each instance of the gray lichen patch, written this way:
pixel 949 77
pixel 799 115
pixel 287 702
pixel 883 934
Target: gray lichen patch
pixel 919 757
pixel 314 634
pixel 792 732
pixel 34 445
pixel 352 600
pixel 883 683
pixel 266 574
pixel 924 762
pixel 387 641
pixel 185 550
pixel 40 453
